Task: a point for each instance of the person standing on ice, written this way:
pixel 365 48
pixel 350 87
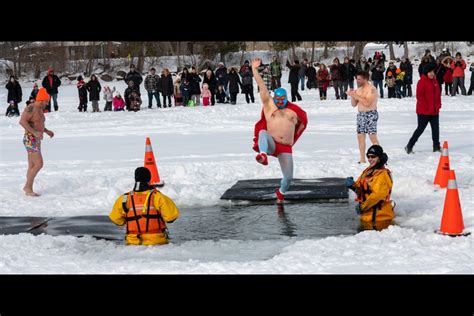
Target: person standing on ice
pixel 428 104
pixel 134 76
pixel 145 212
pixel 32 120
pixel 51 83
pixel 280 126
pixel 373 189
pixel 365 98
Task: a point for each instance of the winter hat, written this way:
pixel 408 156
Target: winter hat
pixel 142 174
pixel 428 68
pixel 398 71
pixel 376 150
pixel 42 95
pixel 246 62
pixel 389 74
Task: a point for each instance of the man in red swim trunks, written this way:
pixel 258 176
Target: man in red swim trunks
pixel 32 119
pixel 280 126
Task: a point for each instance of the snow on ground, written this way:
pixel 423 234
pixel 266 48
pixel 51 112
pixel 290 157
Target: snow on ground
pixel 201 152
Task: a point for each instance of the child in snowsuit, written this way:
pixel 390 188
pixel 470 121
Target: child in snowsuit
pixel 399 83
pixel 81 88
pixel 108 97
pixel 390 84
pixel 135 101
pixel 118 102
pixel 220 95
pixel 12 109
pixel 205 94
pixel 185 91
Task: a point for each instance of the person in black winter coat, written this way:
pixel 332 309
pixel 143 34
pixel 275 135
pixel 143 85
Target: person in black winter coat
pixel 440 70
pixel 127 93
pixel 311 76
pixel 293 79
pixel 82 90
pixel 211 81
pixel 378 69
pixel 223 79
pixel 337 80
pixel 247 81
pixel 167 87
pixel 195 82
pixel 14 94
pixel 134 76
pixel 234 84
pixel 407 67
pixel 94 88
pixel 51 83
pixel 348 73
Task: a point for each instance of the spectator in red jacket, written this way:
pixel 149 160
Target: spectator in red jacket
pixel 458 66
pixel 428 104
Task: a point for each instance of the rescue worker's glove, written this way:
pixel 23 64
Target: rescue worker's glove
pixel 349 182
pixel 357 208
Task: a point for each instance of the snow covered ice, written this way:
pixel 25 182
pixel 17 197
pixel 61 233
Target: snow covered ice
pixel 201 152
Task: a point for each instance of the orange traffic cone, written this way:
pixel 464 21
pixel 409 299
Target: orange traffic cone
pixel 442 174
pixel 452 223
pixel 150 164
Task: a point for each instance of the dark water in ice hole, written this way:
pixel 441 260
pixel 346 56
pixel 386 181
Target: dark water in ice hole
pixel 239 222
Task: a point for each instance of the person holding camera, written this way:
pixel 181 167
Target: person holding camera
pixel 458 67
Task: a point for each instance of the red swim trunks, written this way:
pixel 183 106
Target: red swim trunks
pixel 280 149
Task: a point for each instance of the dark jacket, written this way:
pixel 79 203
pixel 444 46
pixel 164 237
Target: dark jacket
pixel 135 77
pixel 126 95
pixel 302 71
pixel 195 81
pixel 408 69
pixel 348 72
pixel 377 70
pixel 234 82
pixel 152 83
pixel 51 89
pixel 336 72
pixel 440 71
pixel 211 82
pixel 293 77
pixel 14 91
pixel 167 85
pixel 362 66
pixel 185 90
pixel 93 86
pixel 82 90
pixel 311 73
pixel 222 76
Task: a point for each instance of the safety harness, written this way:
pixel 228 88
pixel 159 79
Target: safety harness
pixel 138 217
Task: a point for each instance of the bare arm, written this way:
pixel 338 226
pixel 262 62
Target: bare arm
pixel 268 105
pixel 367 100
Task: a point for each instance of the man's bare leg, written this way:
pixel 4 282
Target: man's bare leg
pixel 361 139
pixel 373 139
pixel 35 163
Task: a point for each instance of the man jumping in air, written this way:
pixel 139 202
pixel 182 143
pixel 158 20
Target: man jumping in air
pixel 278 129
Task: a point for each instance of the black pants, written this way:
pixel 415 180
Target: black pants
pixel 322 93
pixel 233 98
pixel 248 96
pixel 169 100
pixel 294 92
pixel 448 87
pixel 391 92
pixel 277 81
pixel 423 120
pixel 471 87
pixel 407 90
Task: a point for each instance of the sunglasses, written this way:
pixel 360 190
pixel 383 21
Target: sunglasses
pixel 371 156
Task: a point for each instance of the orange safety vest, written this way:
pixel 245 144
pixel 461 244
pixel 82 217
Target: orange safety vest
pixel 137 219
pixel 363 192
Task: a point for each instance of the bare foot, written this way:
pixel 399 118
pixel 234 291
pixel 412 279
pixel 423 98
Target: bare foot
pixel 31 193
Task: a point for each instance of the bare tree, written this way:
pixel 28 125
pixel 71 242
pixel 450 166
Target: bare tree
pixel 405 49
pixel 312 51
pixel 392 52
pixel 358 50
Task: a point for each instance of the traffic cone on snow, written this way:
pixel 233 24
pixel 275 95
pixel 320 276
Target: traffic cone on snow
pixel 452 222
pixel 442 174
pixel 150 164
